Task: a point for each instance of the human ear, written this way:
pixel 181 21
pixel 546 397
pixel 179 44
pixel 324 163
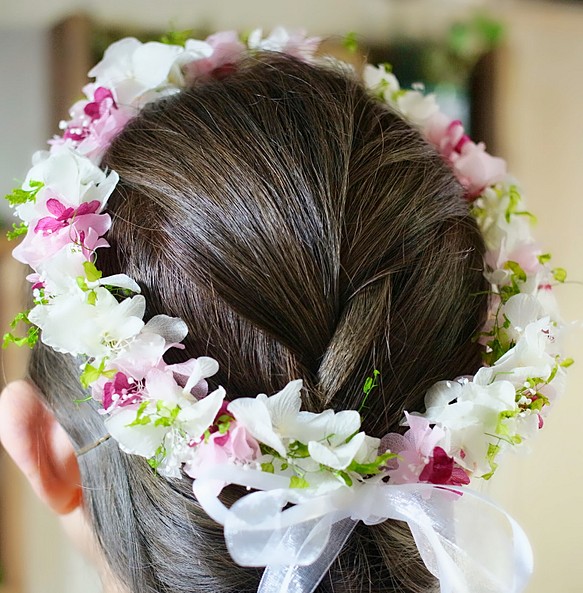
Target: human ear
pixel 40 447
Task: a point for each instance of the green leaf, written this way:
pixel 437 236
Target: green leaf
pixel 176 37
pixel 267 467
pixel 266 450
pixel 345 477
pixel 559 274
pixel 350 42
pixel 566 363
pixel 297 482
pixel 373 468
pixel 22 196
pixel 91 272
pixel 29 339
pixel 91 297
pixel 141 418
pixel 544 258
pixel 298 450
pixel 91 373
pixel 516 270
pixel 17 231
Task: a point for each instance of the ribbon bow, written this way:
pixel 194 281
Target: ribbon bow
pixel 465 540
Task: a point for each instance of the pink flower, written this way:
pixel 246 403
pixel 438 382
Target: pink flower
pixel 420 458
pixel 120 392
pixel 227 50
pixel 447 135
pixel 81 226
pixel 94 123
pixel 236 445
pixel 476 169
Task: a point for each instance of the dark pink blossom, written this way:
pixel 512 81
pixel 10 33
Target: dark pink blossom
pixel 120 392
pixel 442 469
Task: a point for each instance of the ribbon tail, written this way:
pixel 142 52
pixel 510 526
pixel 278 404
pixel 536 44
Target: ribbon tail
pixel 305 579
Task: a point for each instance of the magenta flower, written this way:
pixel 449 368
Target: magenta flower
pixel 122 391
pixel 442 469
pixel 94 123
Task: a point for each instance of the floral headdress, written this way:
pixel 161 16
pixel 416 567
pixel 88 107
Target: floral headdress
pixel 331 472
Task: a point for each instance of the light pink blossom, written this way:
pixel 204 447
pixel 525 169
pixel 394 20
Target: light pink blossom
pixel 227 50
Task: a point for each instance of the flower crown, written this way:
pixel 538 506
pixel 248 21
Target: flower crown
pixel 332 472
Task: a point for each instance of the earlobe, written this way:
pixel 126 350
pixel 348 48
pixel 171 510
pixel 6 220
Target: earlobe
pixel 40 447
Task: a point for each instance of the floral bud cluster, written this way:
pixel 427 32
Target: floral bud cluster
pixel 164 412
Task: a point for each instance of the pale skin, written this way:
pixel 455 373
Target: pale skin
pixel 41 449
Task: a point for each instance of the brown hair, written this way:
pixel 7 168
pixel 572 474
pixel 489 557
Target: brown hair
pixel 302 230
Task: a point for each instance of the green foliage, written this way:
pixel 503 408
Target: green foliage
pixel 17 231
pixel 344 476
pixel 298 482
pixel 298 450
pixel 267 467
pixel 177 37
pixel 493 451
pixel 141 417
pixel 29 339
pixel 22 196
pixel 514 204
pixel 92 373
pixel 350 42
pixel 369 384
pixel 159 456
pixel 91 272
pixel 559 274
pixel 373 468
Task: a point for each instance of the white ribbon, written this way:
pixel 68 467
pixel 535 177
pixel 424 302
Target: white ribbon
pixel 468 542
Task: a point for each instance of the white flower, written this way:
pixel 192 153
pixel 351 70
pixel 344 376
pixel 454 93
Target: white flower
pixel 67 176
pixel 472 421
pixel 130 68
pixel 69 323
pixel 381 80
pixel 528 359
pixel 503 232
pixel 417 107
pixel 140 439
pixel 520 310
pixel 268 418
pixel 339 456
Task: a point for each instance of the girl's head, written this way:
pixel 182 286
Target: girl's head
pixel 302 230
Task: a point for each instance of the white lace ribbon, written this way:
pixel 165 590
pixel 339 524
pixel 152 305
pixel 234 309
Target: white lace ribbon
pixel 468 542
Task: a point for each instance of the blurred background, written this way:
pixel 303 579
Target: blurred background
pixel 512 70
